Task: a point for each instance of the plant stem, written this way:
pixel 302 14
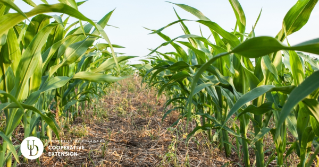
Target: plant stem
pixel 243 132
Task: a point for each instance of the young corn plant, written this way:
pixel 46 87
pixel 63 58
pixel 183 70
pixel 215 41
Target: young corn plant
pixel 241 77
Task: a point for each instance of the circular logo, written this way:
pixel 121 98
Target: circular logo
pixel 31 147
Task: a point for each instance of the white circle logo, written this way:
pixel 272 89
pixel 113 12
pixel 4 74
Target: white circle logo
pixel 31 147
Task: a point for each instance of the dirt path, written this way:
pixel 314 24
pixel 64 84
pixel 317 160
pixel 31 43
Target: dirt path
pixel 126 129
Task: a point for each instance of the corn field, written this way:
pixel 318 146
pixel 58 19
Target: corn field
pixel 231 84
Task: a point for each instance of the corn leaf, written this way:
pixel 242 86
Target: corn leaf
pixel 96 77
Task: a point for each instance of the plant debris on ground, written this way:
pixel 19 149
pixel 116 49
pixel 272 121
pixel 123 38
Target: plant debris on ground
pixel 125 128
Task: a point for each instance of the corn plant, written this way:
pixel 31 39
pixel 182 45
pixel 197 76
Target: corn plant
pixel 238 76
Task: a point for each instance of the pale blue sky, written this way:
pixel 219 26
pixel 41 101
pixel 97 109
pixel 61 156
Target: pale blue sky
pixel 131 16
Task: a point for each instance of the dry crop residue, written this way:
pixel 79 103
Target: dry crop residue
pixel 127 125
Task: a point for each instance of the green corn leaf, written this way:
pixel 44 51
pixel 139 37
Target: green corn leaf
pixel 296 67
pixel 69 104
pixel 70 26
pixel 211 126
pixel 181 51
pixel 58 19
pixel 292 124
pixel 11 147
pixel 229 37
pixel 310 46
pixel 193 11
pixel 102 32
pixel 10 4
pixel 9 20
pixel 196 78
pixel 176 77
pixel 3 106
pixel 71 3
pixel 53 83
pixel 309 85
pixel 30 2
pixel 178 49
pixel 252 33
pixel 30 59
pixel 240 16
pixel 37 23
pixel 296 17
pixel 214 27
pixel 12 98
pixel 49 53
pixel 178 66
pixel 202 86
pixel 12 121
pixel 3 39
pixel 200 55
pixel 76 50
pixel 45 1
pixel 35 120
pixel 97 77
pixel 102 46
pixel 186 30
pixel 260 135
pixel 266 60
pixel 11 50
pixel 315 125
pixel 170 24
pixel 257 110
pixel 259 46
pixel 305 145
pixel 109 63
pixel 35 79
pixel 73 53
pixel 251 95
pixel 313 107
pixel 80 3
pixel 177 99
pixel 9 78
pixel 48 120
pixel 69 89
pixel 204 127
